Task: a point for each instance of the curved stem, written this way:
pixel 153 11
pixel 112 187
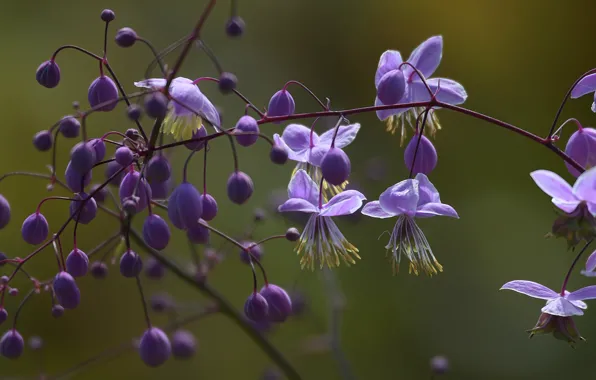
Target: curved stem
pixel 579 255
pixel 156 55
pixel 305 88
pixel 74 47
pixel 418 142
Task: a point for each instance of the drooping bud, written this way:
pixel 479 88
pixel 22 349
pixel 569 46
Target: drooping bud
pixel 12 344
pixel 129 184
pixel 66 290
pixel 256 308
pixel 77 263
pixel 278 154
pixel 69 127
pixel 562 328
pixel 392 87
pixel 100 149
pixel 125 37
pixel 184 344
pixel 197 133
pixel 156 232
pixel 35 229
pixel 582 148
pixel 281 104
pixel 336 166
pixel 235 26
pixel 130 264
pixel 280 304
pixel 83 209
pixel 43 141
pixel 240 187
pixel 198 233
pixel 155 347
pixel 292 234
pixel 98 269
pixel 4 213
pixel 134 112
pixel 108 15
pixel 82 157
pixel 75 181
pixel 185 206
pixel 156 105
pixel 227 82
pixel 246 131
pixel 426 157
pixel 124 156
pixel 154 269
pixel 209 207
pixel 158 169
pixel 102 90
pixel 256 252
pixel 48 74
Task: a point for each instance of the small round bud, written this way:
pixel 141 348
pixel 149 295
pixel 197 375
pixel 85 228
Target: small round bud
pixel 154 269
pixel 246 131
pixel 98 269
pixel 134 112
pixel 124 156
pixel 426 158
pixel 66 290
pixel 240 187
pixel 111 169
pixel 281 104
pixel 3 315
pixel 280 304
pixel 108 15
pixel 12 344
pixel 102 90
pixel 197 133
pixel 77 263
pixel 99 194
pixel 130 264
pixel 57 311
pixel 155 347
pixel 235 26
pixel 227 82
pixel 278 154
pixel 83 209
pixel 209 207
pixel 184 344
pixel 185 206
pixel 13 292
pixel 43 141
pixel 156 105
pixel 158 169
pixel 35 343
pixel 156 232
pixel 439 365
pixel 4 213
pixel 582 148
pixel 198 233
pixel 292 234
pixel 336 166
pixel 256 252
pixel 35 229
pixel 69 127
pixel 391 87
pixel 125 37
pixel 256 308
pixel 48 74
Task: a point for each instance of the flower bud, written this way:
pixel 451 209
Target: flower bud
pixel 197 133
pixel 57 311
pixel 185 206
pixel 98 269
pixel 35 229
pixel 130 264
pixel 209 207
pixel 292 234
pixel 83 209
pixel 48 74
pixel 256 252
pixel 128 187
pixel 134 112
pixel 240 187
pixel 198 233
pixel 246 131
pixel 156 105
pixel 66 290
pixel 124 156
pixel 227 82
pixel 280 305
pixel 156 232
pixel 392 87
pixel 582 148
pixel 184 344
pixel 3 315
pixel 278 155
pixel 562 328
pixel 235 26
pixel 126 37
pixel 108 15
pixel 82 157
pixel 256 308
pixel 77 263
pixel 43 141
pixel 12 344
pixel 426 157
pixel 102 90
pixel 281 104
pixel 4 216
pixel 154 347
pixel 336 166
pixel 154 269
pixel 158 169
pixel 69 127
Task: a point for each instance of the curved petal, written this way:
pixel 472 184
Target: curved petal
pixel 553 185
pixel 531 289
pixel 390 60
pixel 187 98
pixel 299 156
pixel 151 83
pixel 436 209
pixel 345 135
pixel 426 57
pixel 428 192
pixel 401 198
pixel 567 206
pixel 303 187
pixel 299 205
pixel 345 203
pixel 588 273
pixel 586 85
pixel 374 210
pixel 210 113
pixel 384 114
pixel 562 308
pixel 591 262
pixel 585 186
pixel 587 293
pixel 316 154
pixel 446 90
pixel 297 137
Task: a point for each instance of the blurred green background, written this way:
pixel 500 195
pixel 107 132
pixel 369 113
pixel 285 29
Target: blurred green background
pixel 516 59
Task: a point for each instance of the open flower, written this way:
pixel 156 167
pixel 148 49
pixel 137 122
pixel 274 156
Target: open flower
pixel 321 241
pixel 307 148
pixel 409 199
pixel 188 107
pixel 559 308
pixel 426 58
pixel 587 85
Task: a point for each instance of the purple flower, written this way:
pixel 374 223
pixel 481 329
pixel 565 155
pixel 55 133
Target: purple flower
pixel 308 149
pixel 590 270
pixel 187 109
pixel 426 58
pixel 409 199
pixel 585 86
pixel 564 196
pixel 581 146
pixel 321 241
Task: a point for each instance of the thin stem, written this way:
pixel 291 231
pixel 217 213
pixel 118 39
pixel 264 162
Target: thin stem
pixel 155 54
pixel 336 131
pixel 203 46
pixel 16 315
pixel 308 90
pixel 238 93
pixel 418 142
pixel 206 148
pixel 74 47
pixel 184 170
pixel 105 40
pixel 103 244
pixel 267 239
pixel 52 178
pixel 143 301
pixel 225 307
pixel 579 255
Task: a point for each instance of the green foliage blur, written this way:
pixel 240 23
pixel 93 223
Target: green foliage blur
pixel 516 59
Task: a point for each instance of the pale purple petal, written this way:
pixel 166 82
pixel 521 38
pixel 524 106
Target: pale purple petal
pixel 428 192
pixel 344 203
pixel 450 91
pixel 209 112
pixel 562 308
pixel 587 293
pixel 384 114
pixel 187 98
pixel 151 83
pixel 585 186
pixel 426 57
pixel 316 154
pixel 591 207
pixel 593 107
pixel 390 60
pixel 297 137
pixel 531 289
pixel 577 303
pixel 567 206
pixel 586 85
pixel 345 135
pixel 297 204
pixel 401 198
pixel 299 156
pixel 553 185
pixel 591 262
pixel 587 273
pixel 303 187
pixel 436 209
pixel 374 210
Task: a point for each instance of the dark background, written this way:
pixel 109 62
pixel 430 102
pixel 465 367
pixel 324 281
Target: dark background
pixel 516 60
